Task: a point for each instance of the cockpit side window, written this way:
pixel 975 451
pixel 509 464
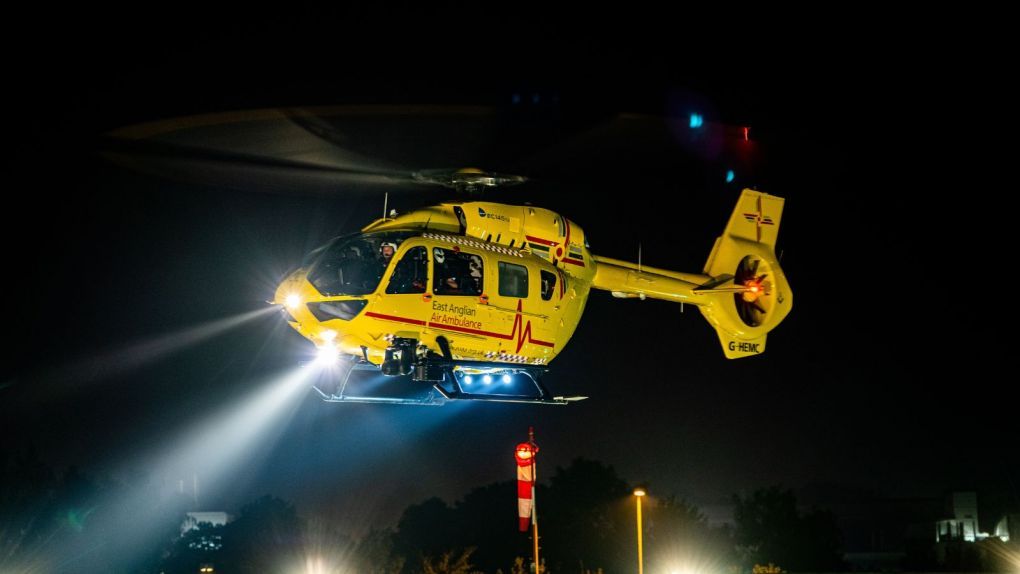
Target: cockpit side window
pixel 548 285
pixel 411 273
pixel 456 272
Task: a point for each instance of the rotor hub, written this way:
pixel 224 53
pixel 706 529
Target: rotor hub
pixel 467 179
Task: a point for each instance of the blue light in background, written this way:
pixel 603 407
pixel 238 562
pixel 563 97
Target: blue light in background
pixel 696 120
pixel 729 176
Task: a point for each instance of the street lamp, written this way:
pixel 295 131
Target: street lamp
pixel 639 493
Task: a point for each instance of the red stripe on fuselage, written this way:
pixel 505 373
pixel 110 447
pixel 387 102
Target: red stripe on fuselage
pixel 395 318
pixel 540 240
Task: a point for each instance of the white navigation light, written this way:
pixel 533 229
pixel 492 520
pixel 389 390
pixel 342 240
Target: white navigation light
pixel 329 335
pixel 293 301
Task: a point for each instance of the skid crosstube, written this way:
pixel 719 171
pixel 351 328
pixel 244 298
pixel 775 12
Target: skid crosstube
pixel 450 388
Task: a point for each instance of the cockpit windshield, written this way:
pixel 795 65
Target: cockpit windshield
pixel 353 264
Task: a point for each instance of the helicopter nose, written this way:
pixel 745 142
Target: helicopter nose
pixel 289 293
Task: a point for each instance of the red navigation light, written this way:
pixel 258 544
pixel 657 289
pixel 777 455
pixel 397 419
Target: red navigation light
pixel 524 453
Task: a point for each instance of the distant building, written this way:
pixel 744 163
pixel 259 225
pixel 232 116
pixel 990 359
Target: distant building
pixel 205 540
pixel 884 535
pixel 214 518
pixel 963 524
pixel 896 535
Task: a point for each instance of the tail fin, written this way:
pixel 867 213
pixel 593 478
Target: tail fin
pixel 749 293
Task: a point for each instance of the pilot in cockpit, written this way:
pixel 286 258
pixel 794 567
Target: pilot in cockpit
pixel 386 251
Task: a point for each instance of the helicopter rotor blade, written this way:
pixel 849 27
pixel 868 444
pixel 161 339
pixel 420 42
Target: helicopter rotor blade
pixel 744 310
pixel 274 150
pixel 241 170
pixel 326 149
pixel 312 149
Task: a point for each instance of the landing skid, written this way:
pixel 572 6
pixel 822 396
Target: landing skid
pixel 462 396
pixel 431 401
pixel 450 386
pixel 441 396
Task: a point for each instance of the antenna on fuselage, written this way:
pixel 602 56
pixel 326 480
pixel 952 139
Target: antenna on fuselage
pixel 385 204
pixel 639 257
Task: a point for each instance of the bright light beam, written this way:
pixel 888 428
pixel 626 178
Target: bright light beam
pixel 227 437
pixel 218 449
pixel 108 364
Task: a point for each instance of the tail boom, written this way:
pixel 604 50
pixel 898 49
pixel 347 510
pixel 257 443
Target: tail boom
pixel 626 280
pixel 743 292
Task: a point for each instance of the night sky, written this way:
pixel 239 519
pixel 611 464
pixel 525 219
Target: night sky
pixel 886 376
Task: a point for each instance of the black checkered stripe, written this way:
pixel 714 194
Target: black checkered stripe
pixel 474 243
pixel 505 357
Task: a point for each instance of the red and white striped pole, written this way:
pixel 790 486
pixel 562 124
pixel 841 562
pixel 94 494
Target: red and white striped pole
pixel 527 474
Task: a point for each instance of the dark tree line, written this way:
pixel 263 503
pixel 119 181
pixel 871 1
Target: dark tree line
pixel 770 528
pixel 587 523
pixel 583 523
pixel 69 523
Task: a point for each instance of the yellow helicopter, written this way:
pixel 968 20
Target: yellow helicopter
pixel 462 294
pixel 467 298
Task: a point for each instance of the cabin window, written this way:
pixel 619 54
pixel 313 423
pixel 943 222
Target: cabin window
pixel 548 285
pixel 411 275
pixel 513 280
pixel 456 272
